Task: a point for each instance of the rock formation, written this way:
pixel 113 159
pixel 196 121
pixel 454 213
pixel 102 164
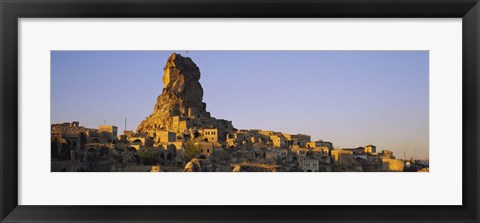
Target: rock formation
pixel 193 166
pixel 180 107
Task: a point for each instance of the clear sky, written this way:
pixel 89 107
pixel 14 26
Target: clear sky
pixel 351 98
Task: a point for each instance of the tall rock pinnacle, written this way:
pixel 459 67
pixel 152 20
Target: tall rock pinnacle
pixel 181 81
pixel 180 106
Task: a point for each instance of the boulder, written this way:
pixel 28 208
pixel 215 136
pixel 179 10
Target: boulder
pixel 192 166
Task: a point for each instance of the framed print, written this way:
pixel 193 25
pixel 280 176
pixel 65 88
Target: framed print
pixel 166 111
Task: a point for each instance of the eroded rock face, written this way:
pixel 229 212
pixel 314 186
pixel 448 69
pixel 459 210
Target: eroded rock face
pixel 237 169
pixel 193 166
pixel 180 107
pixel 181 86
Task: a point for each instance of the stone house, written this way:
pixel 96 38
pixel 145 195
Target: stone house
pixel 310 165
pixel 164 136
pixel 278 140
pixel 209 135
pixel 205 149
pixel 320 143
pixel 108 131
pixel 300 140
pixel 370 149
pixel 341 157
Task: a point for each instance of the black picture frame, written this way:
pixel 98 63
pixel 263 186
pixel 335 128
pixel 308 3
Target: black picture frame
pixel 12 10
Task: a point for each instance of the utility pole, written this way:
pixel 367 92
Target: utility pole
pixel 125 124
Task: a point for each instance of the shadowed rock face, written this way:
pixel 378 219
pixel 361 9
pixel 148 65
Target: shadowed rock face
pixel 181 83
pixel 182 96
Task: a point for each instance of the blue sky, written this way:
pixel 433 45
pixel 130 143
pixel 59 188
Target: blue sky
pixel 352 98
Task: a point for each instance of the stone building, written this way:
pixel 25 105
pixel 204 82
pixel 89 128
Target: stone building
pixel 392 165
pixel 370 149
pixel 278 140
pixel 281 153
pixel 209 135
pixel 108 131
pixel 342 157
pixel 239 138
pixel 320 151
pixel 301 140
pixel 168 154
pixel 387 154
pixel 140 139
pixel 71 135
pixel 310 165
pixel 319 143
pixel 356 151
pixel 164 137
pixel 265 132
pixel 301 152
pixel 206 149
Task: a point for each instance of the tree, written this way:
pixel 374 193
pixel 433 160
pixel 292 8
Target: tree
pixel 149 157
pixel 191 150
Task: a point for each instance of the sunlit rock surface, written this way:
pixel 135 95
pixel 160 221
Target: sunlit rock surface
pixel 180 107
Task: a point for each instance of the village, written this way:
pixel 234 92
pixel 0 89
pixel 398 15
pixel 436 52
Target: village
pixel 77 149
pixel 181 135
